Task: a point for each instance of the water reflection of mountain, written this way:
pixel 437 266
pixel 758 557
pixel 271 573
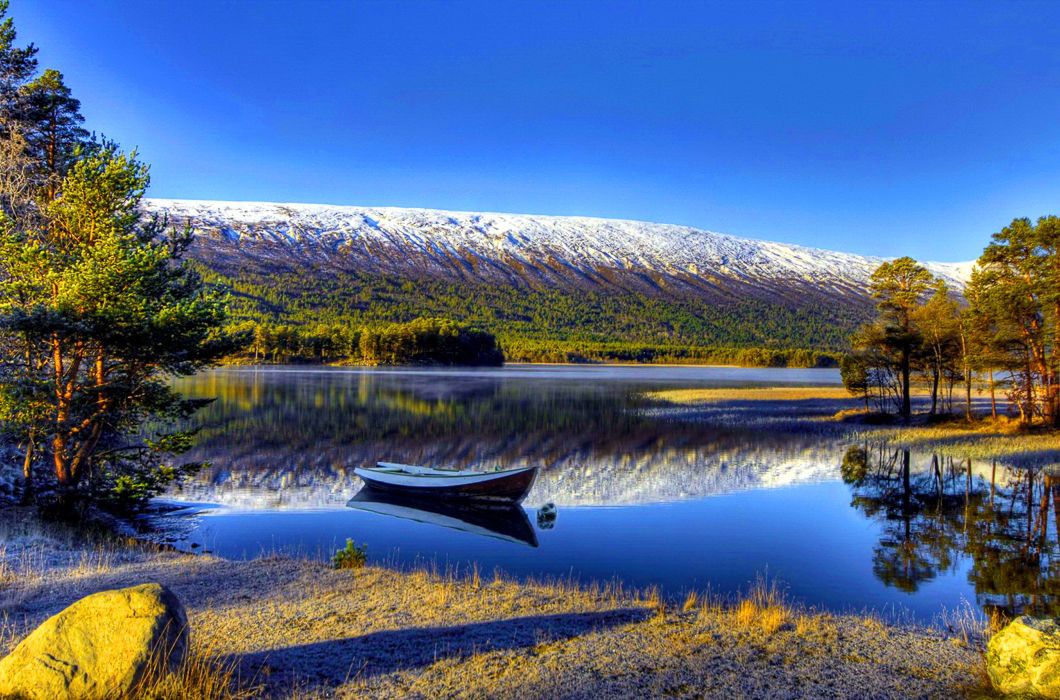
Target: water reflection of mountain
pixel 292 440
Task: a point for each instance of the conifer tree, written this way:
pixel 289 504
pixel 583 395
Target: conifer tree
pixel 51 118
pixel 1017 295
pixel 937 323
pixel 103 310
pixel 17 66
pixel 899 284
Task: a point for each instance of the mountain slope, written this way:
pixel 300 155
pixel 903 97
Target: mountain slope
pixel 518 249
pixel 539 279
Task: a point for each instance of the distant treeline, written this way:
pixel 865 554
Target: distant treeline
pixel 523 350
pixel 424 341
pixel 320 317
pixel 444 342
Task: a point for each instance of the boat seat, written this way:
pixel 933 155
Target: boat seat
pixel 413 469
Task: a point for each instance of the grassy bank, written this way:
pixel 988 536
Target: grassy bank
pixel 830 410
pixel 278 627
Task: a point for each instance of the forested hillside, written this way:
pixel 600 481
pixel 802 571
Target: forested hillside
pixel 314 315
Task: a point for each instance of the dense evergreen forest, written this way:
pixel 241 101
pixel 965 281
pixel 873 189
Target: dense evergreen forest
pixel 424 341
pixel 317 318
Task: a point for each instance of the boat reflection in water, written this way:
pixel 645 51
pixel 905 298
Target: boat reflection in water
pixel 502 521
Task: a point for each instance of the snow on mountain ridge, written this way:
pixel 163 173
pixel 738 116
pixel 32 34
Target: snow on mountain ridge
pixel 582 243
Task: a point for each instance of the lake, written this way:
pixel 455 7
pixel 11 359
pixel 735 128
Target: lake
pixel 649 494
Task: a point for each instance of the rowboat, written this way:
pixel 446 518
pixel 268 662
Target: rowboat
pixel 500 485
pixel 503 521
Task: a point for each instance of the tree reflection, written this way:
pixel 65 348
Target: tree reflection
pixel 938 511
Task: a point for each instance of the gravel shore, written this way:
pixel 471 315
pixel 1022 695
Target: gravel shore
pixel 301 629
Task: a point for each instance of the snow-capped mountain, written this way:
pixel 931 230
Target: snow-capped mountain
pixel 522 250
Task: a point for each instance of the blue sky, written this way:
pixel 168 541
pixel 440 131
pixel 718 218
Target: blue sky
pixel 880 128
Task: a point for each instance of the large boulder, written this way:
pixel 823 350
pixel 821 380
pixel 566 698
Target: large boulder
pixel 1024 658
pixel 98 647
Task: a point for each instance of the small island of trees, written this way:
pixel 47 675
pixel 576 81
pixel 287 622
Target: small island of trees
pixel 1005 332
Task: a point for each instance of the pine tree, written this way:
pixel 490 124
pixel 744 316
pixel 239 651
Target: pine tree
pixel 1017 296
pixel 17 66
pixel 937 323
pixel 51 118
pixel 102 309
pixel 899 285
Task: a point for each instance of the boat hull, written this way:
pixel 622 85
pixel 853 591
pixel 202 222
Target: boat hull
pixel 501 487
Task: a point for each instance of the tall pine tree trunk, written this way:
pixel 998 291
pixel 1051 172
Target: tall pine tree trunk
pixel 993 401
pixel 27 471
pixel 905 383
pixel 934 389
pixel 967 375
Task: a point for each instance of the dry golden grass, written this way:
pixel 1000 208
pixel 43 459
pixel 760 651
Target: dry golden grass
pixel 203 674
pixel 764 609
pixel 1002 439
pixel 810 625
pixel 772 393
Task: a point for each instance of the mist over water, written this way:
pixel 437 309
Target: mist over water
pixel 647 493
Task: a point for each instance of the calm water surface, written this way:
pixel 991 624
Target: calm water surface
pixel 648 494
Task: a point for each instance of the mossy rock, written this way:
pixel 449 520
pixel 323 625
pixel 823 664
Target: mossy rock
pixel 1023 659
pixel 98 647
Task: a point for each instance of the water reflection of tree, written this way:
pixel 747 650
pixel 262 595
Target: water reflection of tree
pixel 943 510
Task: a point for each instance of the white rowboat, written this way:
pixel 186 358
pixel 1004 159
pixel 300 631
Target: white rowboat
pixel 504 485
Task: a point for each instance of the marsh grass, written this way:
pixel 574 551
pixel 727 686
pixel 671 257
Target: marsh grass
pixel 764 608
pixel 828 411
pixel 1007 442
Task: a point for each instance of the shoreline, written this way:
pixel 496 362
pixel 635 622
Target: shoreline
pixel 295 627
pixel 298 628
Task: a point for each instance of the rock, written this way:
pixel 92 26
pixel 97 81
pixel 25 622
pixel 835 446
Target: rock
pixel 98 647
pixel 1024 658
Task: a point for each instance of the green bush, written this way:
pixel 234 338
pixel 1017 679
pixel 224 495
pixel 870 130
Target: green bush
pixel 351 556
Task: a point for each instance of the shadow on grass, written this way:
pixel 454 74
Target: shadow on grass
pixel 318 665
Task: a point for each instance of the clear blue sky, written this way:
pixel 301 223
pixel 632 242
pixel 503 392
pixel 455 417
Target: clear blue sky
pixel 881 128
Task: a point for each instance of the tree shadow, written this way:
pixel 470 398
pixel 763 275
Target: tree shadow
pixel 319 665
